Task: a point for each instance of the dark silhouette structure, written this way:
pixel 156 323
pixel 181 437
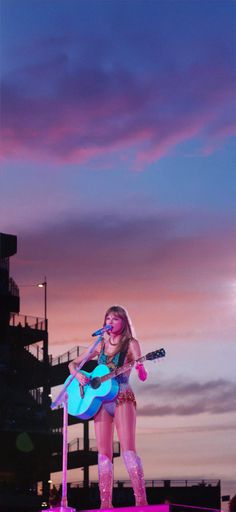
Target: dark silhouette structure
pixel 25 437
pixel 179 494
pixel 30 432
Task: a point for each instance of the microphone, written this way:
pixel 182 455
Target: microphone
pixel 102 330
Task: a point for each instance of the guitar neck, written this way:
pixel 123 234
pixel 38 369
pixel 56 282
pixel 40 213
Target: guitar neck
pixel 122 369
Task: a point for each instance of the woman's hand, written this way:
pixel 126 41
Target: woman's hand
pixel 81 378
pixel 142 373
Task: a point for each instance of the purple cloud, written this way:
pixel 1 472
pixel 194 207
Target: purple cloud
pixel 189 398
pixel 76 115
pixel 152 243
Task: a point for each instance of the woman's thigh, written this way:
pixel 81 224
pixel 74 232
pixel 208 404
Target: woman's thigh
pixel 125 422
pixel 104 428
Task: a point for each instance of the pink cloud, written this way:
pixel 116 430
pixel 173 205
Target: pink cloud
pixel 178 286
pixel 89 113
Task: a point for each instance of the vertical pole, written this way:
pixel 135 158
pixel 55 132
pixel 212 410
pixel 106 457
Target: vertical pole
pixel 86 450
pixel 65 453
pixel 45 303
pixel 46 392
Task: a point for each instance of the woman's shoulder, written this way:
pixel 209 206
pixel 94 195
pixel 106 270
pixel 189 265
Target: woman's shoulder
pixel 133 342
pixel 133 349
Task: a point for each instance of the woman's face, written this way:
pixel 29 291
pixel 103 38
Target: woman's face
pixel 116 322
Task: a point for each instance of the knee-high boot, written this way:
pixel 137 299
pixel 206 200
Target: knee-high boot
pixel 105 476
pixel 134 467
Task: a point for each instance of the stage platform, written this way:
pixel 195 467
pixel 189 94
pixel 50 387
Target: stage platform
pixel 148 508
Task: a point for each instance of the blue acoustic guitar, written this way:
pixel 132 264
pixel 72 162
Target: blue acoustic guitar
pixel 85 401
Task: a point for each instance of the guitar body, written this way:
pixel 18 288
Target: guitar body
pixel 103 387
pixel 86 407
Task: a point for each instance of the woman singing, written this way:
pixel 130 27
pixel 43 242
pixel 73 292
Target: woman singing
pixel 117 347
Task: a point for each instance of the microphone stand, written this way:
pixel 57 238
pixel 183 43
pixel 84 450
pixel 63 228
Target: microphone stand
pixel 62 399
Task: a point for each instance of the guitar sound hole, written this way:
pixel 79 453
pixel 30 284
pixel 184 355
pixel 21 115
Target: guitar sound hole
pixel 95 382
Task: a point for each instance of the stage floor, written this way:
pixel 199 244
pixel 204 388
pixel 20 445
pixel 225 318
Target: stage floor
pixel 147 508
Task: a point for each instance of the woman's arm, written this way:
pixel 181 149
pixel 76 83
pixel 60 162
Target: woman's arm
pixel 135 353
pixel 73 365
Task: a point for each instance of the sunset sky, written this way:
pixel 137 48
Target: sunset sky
pixel 118 178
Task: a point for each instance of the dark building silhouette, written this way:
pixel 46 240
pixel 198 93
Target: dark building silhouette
pixel 30 432
pixel 25 437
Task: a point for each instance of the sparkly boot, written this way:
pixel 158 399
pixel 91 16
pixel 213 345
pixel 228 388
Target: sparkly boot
pixel 134 467
pixel 105 476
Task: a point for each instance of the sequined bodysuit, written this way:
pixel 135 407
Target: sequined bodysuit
pixel 125 393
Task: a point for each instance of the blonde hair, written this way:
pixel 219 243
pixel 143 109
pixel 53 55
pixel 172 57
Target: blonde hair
pixel 127 333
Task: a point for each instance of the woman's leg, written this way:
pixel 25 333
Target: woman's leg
pixel 125 422
pixel 103 423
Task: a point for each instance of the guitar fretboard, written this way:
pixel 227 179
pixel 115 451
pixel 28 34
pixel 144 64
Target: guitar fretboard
pixel 122 369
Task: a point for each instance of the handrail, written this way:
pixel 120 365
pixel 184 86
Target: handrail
pixel 93 446
pixel 73 446
pixel 184 483
pixel 78 444
pixel 35 350
pixel 66 357
pixel 153 483
pixel 26 321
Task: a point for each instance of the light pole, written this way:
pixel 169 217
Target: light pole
pixel 44 285
pixel 46 390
